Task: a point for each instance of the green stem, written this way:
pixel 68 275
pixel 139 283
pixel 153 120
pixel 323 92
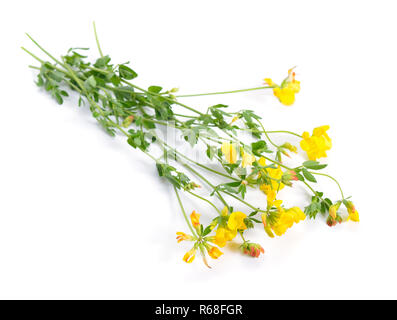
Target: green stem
pixel 45 51
pixel 312 190
pixel 220 92
pixel 245 202
pixel 159 95
pixel 206 200
pixel 206 181
pixel 35 57
pixel 197 163
pixel 267 136
pixel 332 178
pixel 97 41
pixel 285 131
pixel 184 213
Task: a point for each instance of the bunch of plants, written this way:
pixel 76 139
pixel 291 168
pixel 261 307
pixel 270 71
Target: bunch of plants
pixel 233 152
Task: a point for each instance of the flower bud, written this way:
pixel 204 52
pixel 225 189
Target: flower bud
pixel 191 186
pixel 181 236
pixel 235 118
pixel 290 147
pixel 333 210
pixel 127 121
pixel 331 221
pixel 214 252
pixel 252 249
pixel 225 211
pixel 189 256
pixel 264 219
pixel 289 176
pixel 195 218
pixel 351 209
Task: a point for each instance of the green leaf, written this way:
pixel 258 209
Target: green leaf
pixel 102 62
pixel 211 151
pixel 127 73
pixel 90 83
pixel 313 209
pixel 56 75
pixel 308 175
pixel 206 231
pixel 58 97
pixel 137 140
pixel 314 165
pixel 155 89
pixel 259 147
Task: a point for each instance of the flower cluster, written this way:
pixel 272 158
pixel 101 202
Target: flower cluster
pixel 317 144
pixel 287 90
pixel 286 219
pixel 202 242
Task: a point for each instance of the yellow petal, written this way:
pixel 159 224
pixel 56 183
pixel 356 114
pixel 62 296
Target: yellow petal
pixel 236 221
pixel 229 151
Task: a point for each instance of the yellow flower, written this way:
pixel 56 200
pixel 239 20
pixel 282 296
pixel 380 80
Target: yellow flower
pixel 266 226
pixel 236 221
pixel 271 199
pixel 189 256
pixel 286 92
pixel 353 213
pixel 214 252
pixel 285 95
pixel 248 159
pixel 195 218
pixel 223 235
pixel 333 210
pixel 181 236
pixel 227 233
pixel 269 82
pixel 229 151
pixel 286 219
pixel 274 174
pixel 225 211
pixel 298 214
pixel 317 144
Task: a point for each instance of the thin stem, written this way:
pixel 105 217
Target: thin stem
pixel 206 181
pixel 220 92
pixel 206 200
pixel 285 131
pixel 97 41
pixel 184 213
pixel 245 202
pixel 159 95
pixel 267 136
pixel 31 54
pixel 45 51
pixel 197 163
pixel 332 178
pixel 242 237
pixel 308 185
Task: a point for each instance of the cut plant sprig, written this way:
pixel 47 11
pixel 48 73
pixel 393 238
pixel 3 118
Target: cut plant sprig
pixel 121 106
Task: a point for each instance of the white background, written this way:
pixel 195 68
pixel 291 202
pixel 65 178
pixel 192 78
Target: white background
pixel 83 215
